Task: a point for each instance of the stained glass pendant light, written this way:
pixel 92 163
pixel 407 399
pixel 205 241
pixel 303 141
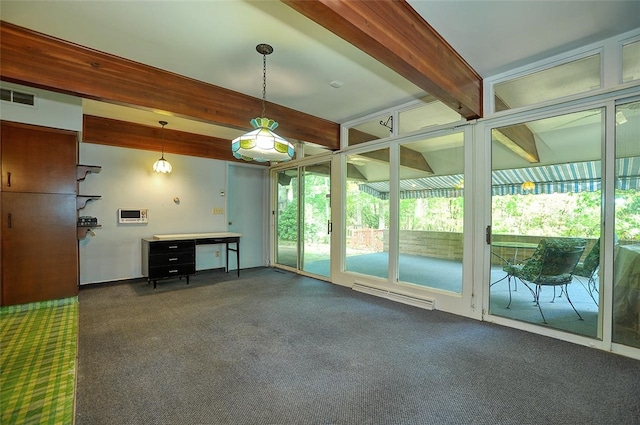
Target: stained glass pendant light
pixel 162 165
pixel 262 144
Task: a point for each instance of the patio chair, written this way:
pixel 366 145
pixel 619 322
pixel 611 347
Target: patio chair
pixel 588 269
pixel 552 264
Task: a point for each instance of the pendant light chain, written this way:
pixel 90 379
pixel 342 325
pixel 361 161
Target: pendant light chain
pixel 264 82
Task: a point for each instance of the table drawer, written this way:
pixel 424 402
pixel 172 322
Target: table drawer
pixel 171 258
pixel 171 246
pixel 208 241
pixel 172 270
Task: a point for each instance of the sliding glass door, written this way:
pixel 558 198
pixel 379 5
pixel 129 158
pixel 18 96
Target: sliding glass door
pixel 303 218
pixel 367 213
pixel 626 280
pixel 316 219
pixel 404 219
pixel 431 212
pixel 286 218
pixel 546 221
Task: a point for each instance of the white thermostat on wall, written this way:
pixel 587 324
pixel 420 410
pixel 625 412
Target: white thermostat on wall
pixel 133 216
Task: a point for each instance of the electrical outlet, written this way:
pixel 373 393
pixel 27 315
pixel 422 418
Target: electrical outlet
pixel 217 253
pixel 217 211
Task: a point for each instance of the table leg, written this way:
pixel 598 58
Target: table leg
pixel 238 256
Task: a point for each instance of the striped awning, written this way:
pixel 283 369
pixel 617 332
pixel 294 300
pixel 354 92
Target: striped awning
pixel 557 178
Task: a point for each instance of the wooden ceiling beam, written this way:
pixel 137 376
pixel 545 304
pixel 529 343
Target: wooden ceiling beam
pixel 393 33
pixel 38 60
pixel 324 169
pixel 408 158
pixel 106 131
pixel 414 159
pixel 517 138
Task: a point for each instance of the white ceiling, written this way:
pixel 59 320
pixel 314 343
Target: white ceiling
pixel 214 41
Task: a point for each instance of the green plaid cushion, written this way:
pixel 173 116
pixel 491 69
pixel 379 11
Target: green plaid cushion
pixel 590 263
pixel 551 254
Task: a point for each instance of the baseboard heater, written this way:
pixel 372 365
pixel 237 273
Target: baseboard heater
pixel 426 303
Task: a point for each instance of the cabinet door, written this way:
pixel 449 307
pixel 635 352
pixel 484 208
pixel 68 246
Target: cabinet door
pixel 38 159
pixel 39 247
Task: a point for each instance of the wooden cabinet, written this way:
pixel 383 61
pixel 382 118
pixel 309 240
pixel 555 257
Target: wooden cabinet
pixel 38 159
pixel 164 259
pixel 39 247
pixel 39 254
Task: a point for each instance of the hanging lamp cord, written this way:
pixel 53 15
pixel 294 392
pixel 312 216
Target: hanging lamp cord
pixel 162 123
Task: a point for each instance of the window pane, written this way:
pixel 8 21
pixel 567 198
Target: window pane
pixel 287 219
pixel 631 62
pixel 311 149
pixel 367 213
pixel 432 113
pixel 432 212
pixel 316 214
pixel 571 78
pixel 626 282
pixel 374 129
pixel 546 199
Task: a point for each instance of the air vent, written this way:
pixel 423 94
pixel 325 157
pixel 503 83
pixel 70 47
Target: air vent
pixel 17 97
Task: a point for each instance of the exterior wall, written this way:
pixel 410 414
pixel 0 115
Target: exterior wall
pixel 447 245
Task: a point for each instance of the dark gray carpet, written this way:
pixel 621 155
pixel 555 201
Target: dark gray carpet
pixel 272 347
pixel 447 275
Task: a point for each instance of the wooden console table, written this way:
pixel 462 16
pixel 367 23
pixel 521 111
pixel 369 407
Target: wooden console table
pixel 174 255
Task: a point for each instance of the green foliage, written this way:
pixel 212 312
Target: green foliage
pixel 432 214
pixel 564 214
pixel 366 211
pixel 288 223
pixel 316 210
pixel 556 214
pixel 627 218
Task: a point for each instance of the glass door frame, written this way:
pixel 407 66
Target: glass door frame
pixel 468 303
pixel 298 165
pixel 608 102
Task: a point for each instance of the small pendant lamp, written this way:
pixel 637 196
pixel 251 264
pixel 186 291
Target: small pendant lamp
pixel 162 165
pixel 262 144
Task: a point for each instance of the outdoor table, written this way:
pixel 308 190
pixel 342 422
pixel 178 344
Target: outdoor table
pixel 516 245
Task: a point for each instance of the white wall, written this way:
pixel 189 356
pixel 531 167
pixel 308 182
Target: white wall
pixel 53 110
pixel 128 181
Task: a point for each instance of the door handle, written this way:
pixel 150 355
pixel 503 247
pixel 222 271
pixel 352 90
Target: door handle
pixel 488 235
pixel 8 179
pixel 329 227
pixel 9 220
